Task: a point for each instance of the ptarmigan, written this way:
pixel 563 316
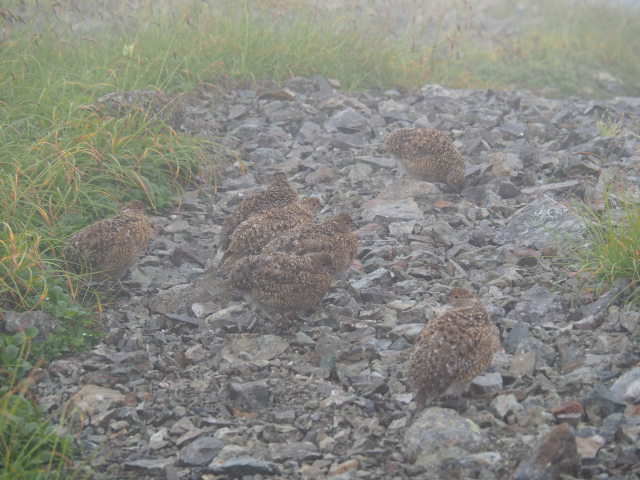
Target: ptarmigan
pixel 256 231
pixel 452 349
pixel 153 103
pixel 332 236
pixel 284 282
pixel 428 153
pixel 109 247
pixel 277 194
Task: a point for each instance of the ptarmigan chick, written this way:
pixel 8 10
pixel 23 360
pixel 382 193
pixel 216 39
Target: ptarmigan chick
pixel 150 102
pixel 109 247
pixel 256 231
pixel 452 349
pixel 277 194
pixel 284 282
pixel 333 237
pixel 428 153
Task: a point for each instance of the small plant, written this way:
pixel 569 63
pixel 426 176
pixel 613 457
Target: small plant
pixel 78 328
pixel 30 447
pixel 608 125
pixel 612 251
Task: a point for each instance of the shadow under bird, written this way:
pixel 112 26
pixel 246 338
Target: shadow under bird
pixel 452 349
pixel 429 154
pixel 106 249
pixel 278 193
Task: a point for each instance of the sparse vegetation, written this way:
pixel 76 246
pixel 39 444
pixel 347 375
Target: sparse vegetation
pixel 612 249
pixel 609 125
pixel 30 447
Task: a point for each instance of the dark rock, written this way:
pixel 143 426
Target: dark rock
pixel 15 322
pixel 556 455
pixel 249 396
pixel 242 466
pixel 200 451
pixel 298 451
pixel 599 403
pixel 508 190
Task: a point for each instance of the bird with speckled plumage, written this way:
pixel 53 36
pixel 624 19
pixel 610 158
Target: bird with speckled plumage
pixel 152 103
pixel 452 349
pixel 333 236
pixel 106 249
pixel 429 154
pixel 284 282
pixel 256 231
pixel 278 194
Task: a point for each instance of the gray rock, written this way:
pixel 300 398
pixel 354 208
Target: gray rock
pixel 243 466
pixel 322 175
pixel 627 386
pixel 436 430
pixel 15 322
pixel 535 225
pixel 557 454
pixel 630 321
pixel 504 405
pixel 409 187
pixel 394 210
pixel 298 451
pixel 258 348
pixel 359 172
pixel 538 305
pixel 348 140
pixel 200 452
pixel 508 190
pixel 410 331
pixel 487 383
pixel 154 466
pixel 369 279
pixel 599 403
pixel 516 337
pixel 347 120
pixel 309 132
pixel 249 396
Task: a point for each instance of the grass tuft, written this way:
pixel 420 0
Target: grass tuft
pixel 612 251
pixel 30 446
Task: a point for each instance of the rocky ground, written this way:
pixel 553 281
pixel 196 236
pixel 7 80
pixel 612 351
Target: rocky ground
pixel 191 382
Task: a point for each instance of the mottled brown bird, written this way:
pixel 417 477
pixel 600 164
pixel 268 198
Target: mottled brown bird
pixel 153 103
pixel 277 194
pixel 284 282
pixel 256 231
pixel 332 236
pixel 109 247
pixel 452 348
pixel 428 153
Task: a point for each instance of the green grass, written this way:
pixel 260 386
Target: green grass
pixel 30 446
pixel 559 51
pixel 612 251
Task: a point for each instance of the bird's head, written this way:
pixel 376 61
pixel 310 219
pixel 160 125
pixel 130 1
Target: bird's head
pixel 459 296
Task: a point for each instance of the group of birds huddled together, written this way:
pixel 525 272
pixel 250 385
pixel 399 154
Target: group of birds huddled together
pixel 277 250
